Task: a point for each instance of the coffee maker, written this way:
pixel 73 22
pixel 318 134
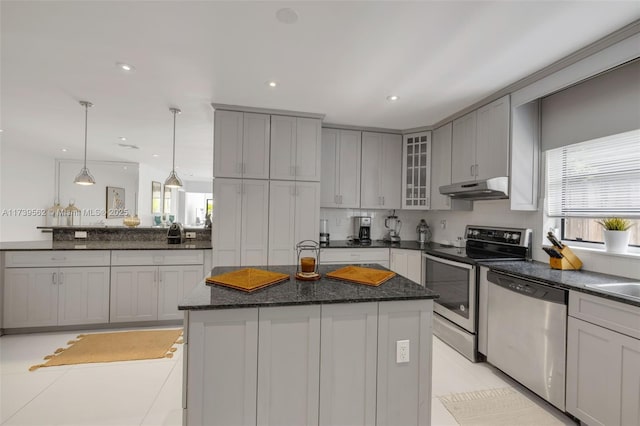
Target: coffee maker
pixel 362 229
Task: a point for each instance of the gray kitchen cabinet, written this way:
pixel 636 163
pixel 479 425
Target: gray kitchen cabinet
pixel 240 222
pixel 134 293
pixel 288 365
pixel 441 171
pixel 295 148
pixel 348 364
pixel 241 145
pixel 340 181
pixel 401 387
pixel 148 285
pixel 480 143
pixel 294 216
pixel 381 177
pixel 50 288
pixel 354 256
pixel 407 263
pixel 603 361
pixel 416 163
pixel 221 353
pixel 525 156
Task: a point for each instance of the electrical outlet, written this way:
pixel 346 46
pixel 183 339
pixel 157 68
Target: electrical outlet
pixel 80 234
pixel 443 223
pixel 190 235
pixel 402 351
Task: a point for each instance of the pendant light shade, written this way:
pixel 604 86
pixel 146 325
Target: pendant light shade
pixel 85 177
pixel 173 181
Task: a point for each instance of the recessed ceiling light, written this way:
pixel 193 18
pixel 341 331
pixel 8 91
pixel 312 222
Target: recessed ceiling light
pixel 392 98
pixel 271 83
pixel 1 130
pixel 122 138
pixel 155 155
pixel 287 15
pixel 125 67
pixel 64 150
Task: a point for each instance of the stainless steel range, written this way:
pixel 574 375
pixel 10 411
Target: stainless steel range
pixel 453 273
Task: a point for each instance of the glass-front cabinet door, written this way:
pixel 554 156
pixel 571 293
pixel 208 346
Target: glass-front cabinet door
pixel 416 167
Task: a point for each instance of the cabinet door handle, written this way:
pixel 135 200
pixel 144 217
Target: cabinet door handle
pixel 53 278
pixel 159 276
pixel 471 170
pixel 383 200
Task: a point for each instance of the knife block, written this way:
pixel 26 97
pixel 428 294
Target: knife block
pixel 569 260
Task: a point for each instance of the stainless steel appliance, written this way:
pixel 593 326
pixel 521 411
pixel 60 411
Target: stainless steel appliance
pixel 488 189
pixel 423 231
pixel 175 234
pixel 393 225
pixel 362 229
pixel 324 231
pixel 452 272
pixel 527 322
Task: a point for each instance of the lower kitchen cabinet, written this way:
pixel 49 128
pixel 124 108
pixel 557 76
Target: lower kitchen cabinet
pixel 288 365
pixel 348 364
pixel 149 293
pixel 35 297
pixel 603 366
pixel 407 263
pixel 306 365
pixel 355 256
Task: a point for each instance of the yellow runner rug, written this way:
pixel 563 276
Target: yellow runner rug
pixel 111 347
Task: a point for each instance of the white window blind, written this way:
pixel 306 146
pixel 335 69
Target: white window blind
pixel 596 178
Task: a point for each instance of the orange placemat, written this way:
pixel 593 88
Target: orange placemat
pixel 361 275
pixel 248 279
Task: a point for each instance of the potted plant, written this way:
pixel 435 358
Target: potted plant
pixel 616 234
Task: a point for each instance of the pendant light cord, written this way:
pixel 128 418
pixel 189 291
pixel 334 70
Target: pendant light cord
pixel 173 167
pixel 86 115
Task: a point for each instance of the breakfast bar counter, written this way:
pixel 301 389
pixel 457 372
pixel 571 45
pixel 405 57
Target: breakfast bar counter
pixel 308 352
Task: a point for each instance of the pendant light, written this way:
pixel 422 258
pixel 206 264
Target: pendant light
pixel 173 181
pixel 85 177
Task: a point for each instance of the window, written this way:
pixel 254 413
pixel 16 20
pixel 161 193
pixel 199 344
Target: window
pixel 595 179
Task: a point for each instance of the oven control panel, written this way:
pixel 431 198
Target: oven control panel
pixel 512 236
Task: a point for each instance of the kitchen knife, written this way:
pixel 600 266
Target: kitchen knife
pixel 554 240
pixel 552 252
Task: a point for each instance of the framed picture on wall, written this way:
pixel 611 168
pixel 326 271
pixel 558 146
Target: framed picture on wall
pixel 156 197
pixel 115 202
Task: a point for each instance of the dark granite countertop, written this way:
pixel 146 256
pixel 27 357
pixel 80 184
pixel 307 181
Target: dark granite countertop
pixel 102 245
pixel 571 280
pixel 294 292
pixel 408 245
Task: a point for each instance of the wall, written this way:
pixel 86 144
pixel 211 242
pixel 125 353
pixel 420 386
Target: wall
pixel 26 182
pixel 195 204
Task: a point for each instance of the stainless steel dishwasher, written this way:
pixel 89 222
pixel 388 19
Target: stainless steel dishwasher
pixel 527 333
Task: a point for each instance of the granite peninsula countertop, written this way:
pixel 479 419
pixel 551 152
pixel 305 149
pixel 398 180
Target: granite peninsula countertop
pixel 294 292
pixel 571 280
pixel 102 245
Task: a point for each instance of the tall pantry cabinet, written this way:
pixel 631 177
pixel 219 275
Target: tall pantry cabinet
pixel 266 186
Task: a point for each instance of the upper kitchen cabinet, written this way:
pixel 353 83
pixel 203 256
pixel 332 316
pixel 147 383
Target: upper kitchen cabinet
pixel 441 171
pixel 340 183
pixel 241 145
pixel 416 161
pixel 295 148
pixel 381 171
pixel 480 143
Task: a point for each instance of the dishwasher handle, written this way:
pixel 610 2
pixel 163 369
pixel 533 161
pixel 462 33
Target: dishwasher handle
pixel 529 288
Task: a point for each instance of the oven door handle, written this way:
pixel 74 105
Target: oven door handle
pixel 449 262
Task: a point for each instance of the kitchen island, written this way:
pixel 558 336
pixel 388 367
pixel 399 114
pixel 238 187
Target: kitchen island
pixel 302 353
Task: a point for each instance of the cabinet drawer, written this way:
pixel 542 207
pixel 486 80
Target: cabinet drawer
pixel 358 255
pixel 607 313
pixel 53 258
pixel 156 257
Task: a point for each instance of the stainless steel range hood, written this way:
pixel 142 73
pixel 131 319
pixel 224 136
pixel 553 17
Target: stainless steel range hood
pixel 490 189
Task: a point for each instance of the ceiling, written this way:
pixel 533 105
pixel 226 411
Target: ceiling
pixel 341 59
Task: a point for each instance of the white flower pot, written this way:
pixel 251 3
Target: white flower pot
pixel 616 241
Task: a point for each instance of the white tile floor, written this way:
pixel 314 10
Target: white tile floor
pixel 149 392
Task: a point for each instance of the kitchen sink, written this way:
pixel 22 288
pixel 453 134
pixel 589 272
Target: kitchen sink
pixel 626 289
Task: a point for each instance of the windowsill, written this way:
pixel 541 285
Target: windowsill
pixel 632 253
